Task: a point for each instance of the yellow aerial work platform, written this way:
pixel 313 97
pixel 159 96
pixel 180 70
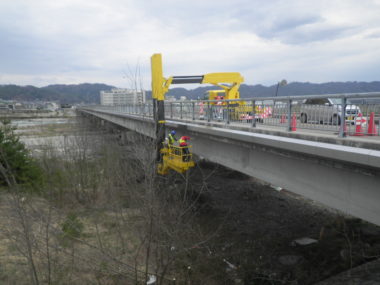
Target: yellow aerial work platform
pixel 174 157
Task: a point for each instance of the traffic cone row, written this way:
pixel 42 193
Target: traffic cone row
pixel 371 129
pixel 360 121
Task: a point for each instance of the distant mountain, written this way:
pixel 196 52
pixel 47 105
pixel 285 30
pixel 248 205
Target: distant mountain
pixel 90 93
pixel 65 94
pixel 86 92
pixel 294 88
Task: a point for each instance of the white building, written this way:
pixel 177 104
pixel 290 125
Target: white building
pixel 51 106
pixel 118 96
pixel 170 98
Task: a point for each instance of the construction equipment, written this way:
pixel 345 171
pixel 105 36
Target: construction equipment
pixel 168 156
pixel 238 110
pixel 173 157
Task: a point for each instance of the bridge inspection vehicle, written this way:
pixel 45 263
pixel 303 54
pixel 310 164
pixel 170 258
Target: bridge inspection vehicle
pixel 169 156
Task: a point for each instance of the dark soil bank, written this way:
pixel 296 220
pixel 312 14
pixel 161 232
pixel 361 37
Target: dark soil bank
pixel 264 236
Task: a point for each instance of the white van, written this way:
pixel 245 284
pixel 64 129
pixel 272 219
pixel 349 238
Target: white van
pixel 326 111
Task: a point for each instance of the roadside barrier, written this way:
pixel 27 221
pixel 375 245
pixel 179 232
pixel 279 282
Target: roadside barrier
pixel 201 109
pixel 294 122
pixel 359 122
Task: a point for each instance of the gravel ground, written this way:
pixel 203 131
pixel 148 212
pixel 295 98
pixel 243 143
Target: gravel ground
pixel 366 274
pixel 276 237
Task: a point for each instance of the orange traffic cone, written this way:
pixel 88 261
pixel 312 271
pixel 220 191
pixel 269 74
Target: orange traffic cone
pixel 294 122
pixel 283 119
pixel 372 131
pixel 358 121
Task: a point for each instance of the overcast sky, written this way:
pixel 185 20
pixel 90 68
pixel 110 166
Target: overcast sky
pixel 46 42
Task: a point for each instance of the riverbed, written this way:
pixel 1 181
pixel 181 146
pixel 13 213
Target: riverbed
pixel 39 133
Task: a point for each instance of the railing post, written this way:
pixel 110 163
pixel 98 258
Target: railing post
pixel 208 112
pixel 180 110
pixel 228 113
pixel 193 103
pixel 253 114
pixel 289 127
pixel 171 110
pixel 342 132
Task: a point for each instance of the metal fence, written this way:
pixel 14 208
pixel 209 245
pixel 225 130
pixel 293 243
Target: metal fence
pixel 345 114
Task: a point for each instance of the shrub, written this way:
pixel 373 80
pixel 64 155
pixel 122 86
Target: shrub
pixel 72 226
pixel 16 164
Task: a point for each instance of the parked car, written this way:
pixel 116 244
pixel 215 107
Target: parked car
pixel 326 111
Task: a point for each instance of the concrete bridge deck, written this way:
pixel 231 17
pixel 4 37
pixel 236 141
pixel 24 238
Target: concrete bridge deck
pixel 343 173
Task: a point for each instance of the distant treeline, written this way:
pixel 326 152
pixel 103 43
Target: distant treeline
pixel 90 93
pixel 295 88
pixel 64 94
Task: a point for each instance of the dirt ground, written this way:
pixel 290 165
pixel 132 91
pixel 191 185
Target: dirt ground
pixel 260 236
pixel 257 242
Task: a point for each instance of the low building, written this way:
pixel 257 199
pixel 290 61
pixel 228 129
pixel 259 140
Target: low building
pixel 170 98
pixel 51 106
pixel 118 96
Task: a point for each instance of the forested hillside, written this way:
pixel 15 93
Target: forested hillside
pixel 294 88
pixel 70 94
pixel 90 93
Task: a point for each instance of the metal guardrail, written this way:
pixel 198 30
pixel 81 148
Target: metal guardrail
pixel 346 114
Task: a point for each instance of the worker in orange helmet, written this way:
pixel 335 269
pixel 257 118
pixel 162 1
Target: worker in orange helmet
pixel 185 149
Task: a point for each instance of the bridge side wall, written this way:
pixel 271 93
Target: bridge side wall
pixel 144 126
pixel 353 189
pixel 344 178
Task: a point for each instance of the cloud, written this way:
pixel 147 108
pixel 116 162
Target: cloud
pixel 286 24
pixel 373 34
pixel 71 41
